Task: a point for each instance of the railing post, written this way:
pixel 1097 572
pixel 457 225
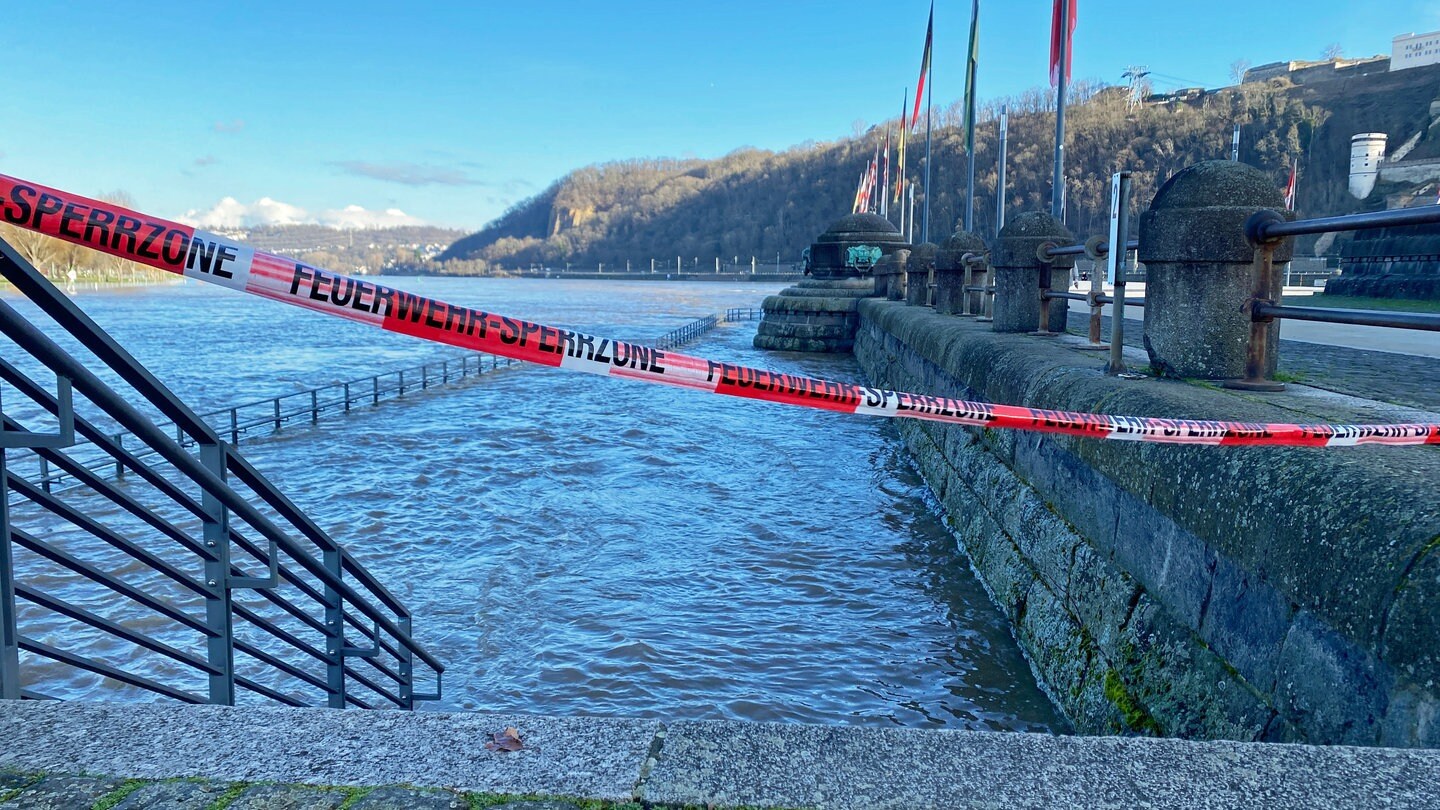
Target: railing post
pixel 953 274
pixel 402 382
pixel 407 665
pixel 234 427
pixel 1022 276
pixel 9 631
pixel 219 614
pixel 375 390
pixel 1116 261
pixel 347 397
pixel 1200 272
pixel 44 474
pixel 424 377
pixel 444 372
pixel 276 402
pixel 314 406
pixel 918 269
pixel 1259 359
pixel 334 632
pixel 119 465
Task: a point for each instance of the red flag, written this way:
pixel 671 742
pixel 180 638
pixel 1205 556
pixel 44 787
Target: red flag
pixel 1290 187
pixel 925 66
pixel 1055 41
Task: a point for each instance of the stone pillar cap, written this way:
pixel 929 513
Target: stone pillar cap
pixel 954 248
pixel 922 258
pixel 1199 214
pixel 1023 235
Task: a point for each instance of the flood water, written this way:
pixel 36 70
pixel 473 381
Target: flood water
pixel 572 544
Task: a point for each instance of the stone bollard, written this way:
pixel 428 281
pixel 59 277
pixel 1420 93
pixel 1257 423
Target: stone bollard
pixel 1019 272
pixel 890 275
pixel 951 274
pixel 1199 270
pixel 919 270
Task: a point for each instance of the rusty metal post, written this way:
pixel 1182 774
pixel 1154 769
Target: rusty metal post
pixel 1045 278
pixel 1257 351
pixel 1094 250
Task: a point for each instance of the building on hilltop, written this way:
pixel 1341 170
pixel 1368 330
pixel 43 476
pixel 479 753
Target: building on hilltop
pixel 1301 71
pixel 1415 50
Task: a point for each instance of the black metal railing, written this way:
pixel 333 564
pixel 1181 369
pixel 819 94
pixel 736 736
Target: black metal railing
pixel 1265 230
pixel 266 416
pixel 686 333
pixel 700 326
pixel 193 578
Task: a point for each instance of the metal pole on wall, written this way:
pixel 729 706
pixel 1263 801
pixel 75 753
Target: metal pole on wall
pixel 1235 145
pixel 1057 198
pixel 1115 270
pixel 1000 181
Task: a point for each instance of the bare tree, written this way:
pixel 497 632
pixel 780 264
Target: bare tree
pixel 1332 51
pixel 1237 70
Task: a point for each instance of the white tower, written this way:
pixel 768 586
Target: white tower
pixel 1366 151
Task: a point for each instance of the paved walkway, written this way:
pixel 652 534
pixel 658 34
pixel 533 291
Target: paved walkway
pixel 1400 379
pixel 253 757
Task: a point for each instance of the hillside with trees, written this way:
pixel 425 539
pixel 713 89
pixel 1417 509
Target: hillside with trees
pixel 349 250
pixel 758 202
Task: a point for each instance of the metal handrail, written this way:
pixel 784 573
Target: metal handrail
pixel 297 553
pixel 1266 229
pixel 687 333
pixel 276 412
pixel 700 326
pixel 1270 226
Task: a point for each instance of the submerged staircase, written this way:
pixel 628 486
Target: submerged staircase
pixel 192 577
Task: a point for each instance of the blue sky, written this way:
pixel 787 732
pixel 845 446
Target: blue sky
pixel 454 111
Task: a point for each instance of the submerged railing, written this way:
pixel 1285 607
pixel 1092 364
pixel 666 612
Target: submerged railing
pixel 266 416
pixel 698 327
pixel 193 578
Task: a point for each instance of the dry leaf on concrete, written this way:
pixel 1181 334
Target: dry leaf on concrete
pixel 507 740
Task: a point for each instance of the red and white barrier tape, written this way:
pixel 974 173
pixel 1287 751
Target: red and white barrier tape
pixel 197 254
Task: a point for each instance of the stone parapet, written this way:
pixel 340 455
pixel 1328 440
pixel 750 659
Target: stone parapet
pixel 1246 593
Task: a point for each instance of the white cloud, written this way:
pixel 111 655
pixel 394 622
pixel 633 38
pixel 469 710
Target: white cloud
pixel 231 214
pixel 353 216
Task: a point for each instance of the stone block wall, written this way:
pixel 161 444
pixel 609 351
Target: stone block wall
pixel 1239 593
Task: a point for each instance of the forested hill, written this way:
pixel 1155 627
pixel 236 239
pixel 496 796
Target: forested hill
pixel 757 202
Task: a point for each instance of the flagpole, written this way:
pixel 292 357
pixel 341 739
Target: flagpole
pixel 1057 198
pixel 972 67
pixel 911 237
pixel 925 215
pixel 1000 184
pixel 900 198
pixel 885 183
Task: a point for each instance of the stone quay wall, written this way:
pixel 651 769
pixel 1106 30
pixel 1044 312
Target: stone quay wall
pixel 1202 592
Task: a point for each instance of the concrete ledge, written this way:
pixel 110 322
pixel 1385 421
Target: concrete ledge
pixel 571 756
pixel 772 765
pixel 712 764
